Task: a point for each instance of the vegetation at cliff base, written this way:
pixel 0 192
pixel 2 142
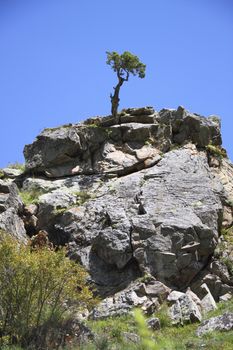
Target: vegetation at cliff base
pixel 40 289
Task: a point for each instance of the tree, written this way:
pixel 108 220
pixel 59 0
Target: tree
pixel 123 65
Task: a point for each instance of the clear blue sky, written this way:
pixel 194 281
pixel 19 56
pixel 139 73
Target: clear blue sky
pixel 53 71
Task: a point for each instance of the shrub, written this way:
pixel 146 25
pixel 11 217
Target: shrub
pixel 36 288
pixel 216 151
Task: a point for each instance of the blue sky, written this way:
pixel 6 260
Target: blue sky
pixel 53 70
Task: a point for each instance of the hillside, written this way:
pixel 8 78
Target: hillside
pixel 146 206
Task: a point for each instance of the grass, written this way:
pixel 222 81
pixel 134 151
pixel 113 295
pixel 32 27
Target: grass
pixel 59 127
pixel 30 197
pixel 83 196
pixel 216 151
pixel 11 347
pixel 110 334
pixel 17 165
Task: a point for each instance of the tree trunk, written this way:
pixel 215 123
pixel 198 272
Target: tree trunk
pixel 115 99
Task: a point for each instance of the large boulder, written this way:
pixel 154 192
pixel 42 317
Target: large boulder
pixel 191 126
pixel 218 323
pixel 184 308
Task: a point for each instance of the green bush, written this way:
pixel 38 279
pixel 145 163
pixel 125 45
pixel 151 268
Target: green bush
pixel 36 288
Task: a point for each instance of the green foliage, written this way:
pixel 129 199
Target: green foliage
pixel 216 151
pixel 229 264
pixel 114 326
pixel 227 243
pixel 30 197
pixel 64 126
pixel 230 202
pixel 227 233
pixel 17 165
pixel 163 316
pixel 108 132
pixel 125 64
pixel 11 347
pixel 145 334
pixel 1 174
pixel 83 196
pixel 36 285
pixel 110 333
pixel 93 125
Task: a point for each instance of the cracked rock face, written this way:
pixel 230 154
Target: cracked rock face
pixel 100 146
pixel 162 220
pixel 140 197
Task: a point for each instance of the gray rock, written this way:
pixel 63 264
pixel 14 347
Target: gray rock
pixel 149 209
pixel 113 246
pixel 131 337
pixel 188 126
pixel 154 323
pixel 135 295
pixel 100 146
pixel 162 220
pixel 224 175
pixel 155 288
pixel 11 207
pixel 120 304
pixel 219 323
pixel 207 302
pixel 225 297
pixel 11 223
pixel 219 269
pixel 9 197
pixel 11 172
pixel 174 296
pixel 216 287
pixel 185 310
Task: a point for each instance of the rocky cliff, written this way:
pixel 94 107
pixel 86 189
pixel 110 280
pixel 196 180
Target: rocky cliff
pixel 144 205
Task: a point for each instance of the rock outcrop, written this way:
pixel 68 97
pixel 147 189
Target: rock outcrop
pixel 11 208
pixel 148 196
pixel 98 146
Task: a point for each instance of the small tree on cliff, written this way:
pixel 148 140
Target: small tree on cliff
pixel 123 65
